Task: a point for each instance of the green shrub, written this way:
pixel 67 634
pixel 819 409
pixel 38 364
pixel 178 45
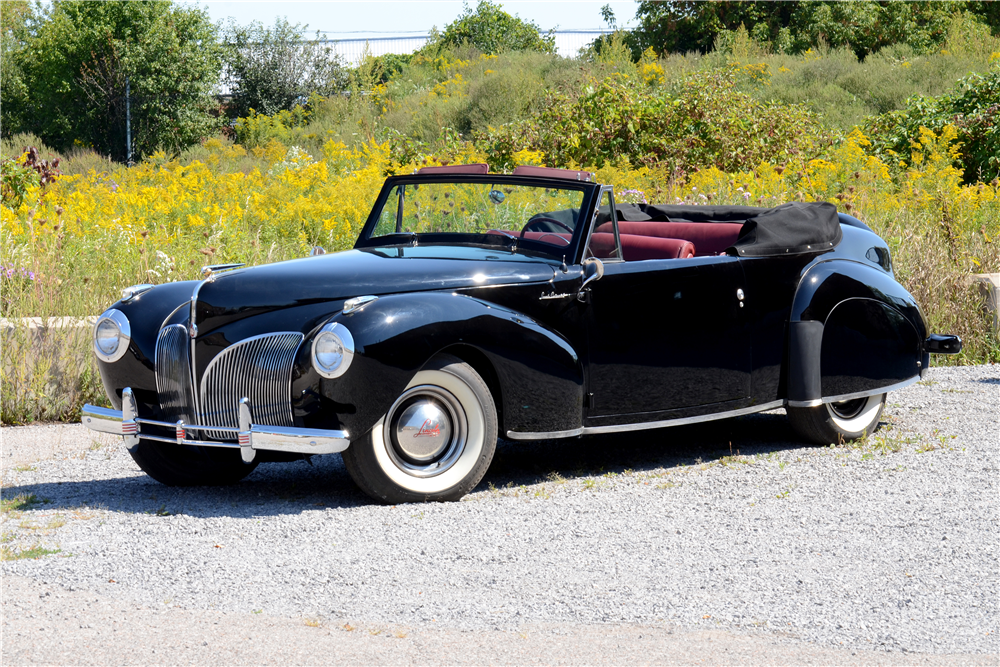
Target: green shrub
pixel 973 108
pixel 704 121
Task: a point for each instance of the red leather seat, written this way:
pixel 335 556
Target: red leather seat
pixel 711 238
pixel 637 248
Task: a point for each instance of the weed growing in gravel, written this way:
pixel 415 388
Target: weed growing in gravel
pixel 53 523
pixel 313 622
pixel 556 478
pixel 32 553
pixel 18 503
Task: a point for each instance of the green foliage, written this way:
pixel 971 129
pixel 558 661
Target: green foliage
pixel 15 178
pixel 864 26
pixel 690 25
pixel 18 19
pixel 271 69
pixel 704 121
pixel 76 64
pixel 257 129
pixel 973 108
pixel 492 30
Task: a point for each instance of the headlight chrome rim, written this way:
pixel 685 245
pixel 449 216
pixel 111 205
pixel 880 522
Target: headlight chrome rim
pixel 340 335
pixel 120 322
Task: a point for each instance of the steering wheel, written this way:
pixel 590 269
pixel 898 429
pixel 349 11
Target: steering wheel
pixel 555 222
pixel 565 241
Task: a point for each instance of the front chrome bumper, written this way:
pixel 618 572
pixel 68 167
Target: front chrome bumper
pixel 250 437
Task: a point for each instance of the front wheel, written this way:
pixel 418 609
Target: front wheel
pixel 186 465
pixel 434 443
pixel 834 423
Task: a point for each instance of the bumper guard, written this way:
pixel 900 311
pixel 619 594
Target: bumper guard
pixel 249 436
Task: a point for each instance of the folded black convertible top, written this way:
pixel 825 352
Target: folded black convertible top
pixel 787 229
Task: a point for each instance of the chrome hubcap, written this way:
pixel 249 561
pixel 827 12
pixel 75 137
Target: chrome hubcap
pixel 425 431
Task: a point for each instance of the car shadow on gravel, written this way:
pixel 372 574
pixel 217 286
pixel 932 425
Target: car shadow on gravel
pixel 518 463
pixel 323 483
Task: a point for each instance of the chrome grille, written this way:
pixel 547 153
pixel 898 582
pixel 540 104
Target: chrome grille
pixel 258 368
pixel 173 373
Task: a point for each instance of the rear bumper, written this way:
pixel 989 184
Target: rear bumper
pixel 249 436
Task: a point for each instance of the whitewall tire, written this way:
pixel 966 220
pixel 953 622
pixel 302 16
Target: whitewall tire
pixel 835 423
pixel 434 443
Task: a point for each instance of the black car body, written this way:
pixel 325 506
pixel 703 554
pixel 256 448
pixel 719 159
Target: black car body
pixel 528 305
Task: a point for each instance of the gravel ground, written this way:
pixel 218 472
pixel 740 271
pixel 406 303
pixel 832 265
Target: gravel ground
pixel 727 535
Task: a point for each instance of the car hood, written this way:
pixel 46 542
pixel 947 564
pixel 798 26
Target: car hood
pixel 338 276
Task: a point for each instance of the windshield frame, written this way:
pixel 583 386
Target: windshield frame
pixel 590 195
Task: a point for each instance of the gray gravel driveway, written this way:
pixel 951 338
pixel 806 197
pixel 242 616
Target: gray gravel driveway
pixel 725 542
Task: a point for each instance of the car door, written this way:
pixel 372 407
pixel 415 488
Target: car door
pixel 667 334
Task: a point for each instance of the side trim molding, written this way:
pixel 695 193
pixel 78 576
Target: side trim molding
pixel 849 397
pixel 623 428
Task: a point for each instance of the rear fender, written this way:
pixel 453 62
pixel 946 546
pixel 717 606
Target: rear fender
pixel 537 372
pixel 853 331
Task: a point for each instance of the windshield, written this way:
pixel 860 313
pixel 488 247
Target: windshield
pixel 544 215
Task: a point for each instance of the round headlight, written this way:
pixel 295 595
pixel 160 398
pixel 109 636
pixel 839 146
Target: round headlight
pixel 112 334
pixel 333 350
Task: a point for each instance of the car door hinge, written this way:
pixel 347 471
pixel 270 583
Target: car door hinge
pixel 590 400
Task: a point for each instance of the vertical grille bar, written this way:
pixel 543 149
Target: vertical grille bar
pixel 173 373
pixel 258 368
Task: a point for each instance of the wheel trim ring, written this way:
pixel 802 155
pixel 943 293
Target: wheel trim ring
pixel 452 452
pixel 853 407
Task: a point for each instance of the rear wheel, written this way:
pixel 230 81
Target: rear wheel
pixel 834 423
pixel 434 443
pixel 185 465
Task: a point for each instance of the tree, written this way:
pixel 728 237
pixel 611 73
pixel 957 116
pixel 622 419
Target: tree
pixel 84 57
pixel 492 30
pixel 865 26
pixel 18 19
pixel 691 25
pixel 269 69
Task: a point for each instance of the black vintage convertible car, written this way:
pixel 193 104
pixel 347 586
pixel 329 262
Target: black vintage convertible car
pixel 530 305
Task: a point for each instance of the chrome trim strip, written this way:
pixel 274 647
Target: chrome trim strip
pixel 871 392
pixel 806 404
pixel 196 443
pixel 623 428
pixel 849 397
pixel 153 422
pixel 572 433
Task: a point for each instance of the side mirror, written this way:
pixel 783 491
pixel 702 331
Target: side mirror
pixel 593 269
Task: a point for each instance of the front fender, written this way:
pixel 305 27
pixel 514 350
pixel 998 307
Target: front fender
pixel 853 330
pixel 137 369
pixel 538 374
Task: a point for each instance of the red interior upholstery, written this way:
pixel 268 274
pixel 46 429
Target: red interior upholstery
pixel 711 238
pixel 637 248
